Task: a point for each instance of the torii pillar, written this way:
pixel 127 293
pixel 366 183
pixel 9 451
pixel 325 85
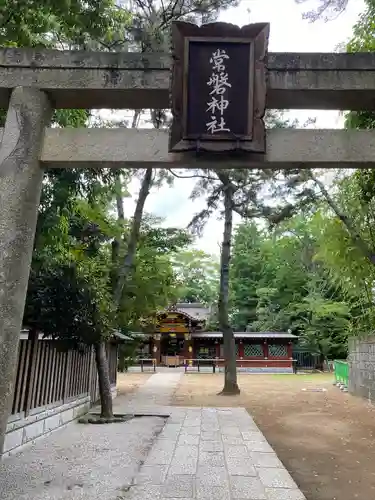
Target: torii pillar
pixel 21 179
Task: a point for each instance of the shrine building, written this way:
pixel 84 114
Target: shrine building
pixel 181 337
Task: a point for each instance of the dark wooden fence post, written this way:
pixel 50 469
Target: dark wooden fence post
pixel 33 338
pixel 92 380
pixel 68 363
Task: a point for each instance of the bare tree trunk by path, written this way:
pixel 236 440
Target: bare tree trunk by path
pixel 21 179
pixel 103 379
pixel 230 376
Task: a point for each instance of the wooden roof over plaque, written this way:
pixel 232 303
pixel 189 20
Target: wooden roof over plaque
pixel 218 87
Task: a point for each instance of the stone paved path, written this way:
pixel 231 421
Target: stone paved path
pixel 156 392
pixel 205 453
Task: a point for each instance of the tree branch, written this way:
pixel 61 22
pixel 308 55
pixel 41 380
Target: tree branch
pixel 133 237
pixel 195 176
pixel 354 234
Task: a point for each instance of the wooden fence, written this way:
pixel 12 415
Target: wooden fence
pixel 47 374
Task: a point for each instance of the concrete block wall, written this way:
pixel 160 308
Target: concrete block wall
pixel 41 422
pixel 361 361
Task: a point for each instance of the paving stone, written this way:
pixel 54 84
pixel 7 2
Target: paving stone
pixel 211 446
pixel 192 431
pixel 213 492
pixel 284 494
pixel 247 488
pixel 184 461
pixel 186 439
pixel 187 466
pixel 227 419
pixel 178 486
pixel 211 459
pixel 145 491
pixel 210 436
pixel 231 431
pixel 261 459
pixel 275 478
pixel 253 436
pixel 159 457
pixel 238 466
pixel 175 420
pixel 236 451
pixel 258 446
pixel 212 476
pixel 152 474
pixel 227 422
pixel 167 445
pixel 210 428
pixel 170 431
pixel 172 427
pixel 233 440
pixel 191 423
pixel 182 452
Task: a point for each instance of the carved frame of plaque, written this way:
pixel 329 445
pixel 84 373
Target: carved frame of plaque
pixel 256 35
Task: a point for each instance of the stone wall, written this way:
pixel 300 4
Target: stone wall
pixel 42 421
pixel 362 367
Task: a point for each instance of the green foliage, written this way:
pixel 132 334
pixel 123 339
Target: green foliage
pixel 69 301
pixel 74 245
pixel 35 23
pixel 323 325
pixel 349 267
pixel 63 24
pixel 363 40
pixel 279 283
pixel 245 274
pixel 197 274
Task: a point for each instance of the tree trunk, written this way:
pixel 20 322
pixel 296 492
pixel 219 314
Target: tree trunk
pixel 133 237
pixel 104 382
pixel 230 377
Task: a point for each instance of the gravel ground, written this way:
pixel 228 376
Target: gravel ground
pixel 85 462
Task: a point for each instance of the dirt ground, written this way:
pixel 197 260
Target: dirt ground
pixel 325 439
pixel 129 382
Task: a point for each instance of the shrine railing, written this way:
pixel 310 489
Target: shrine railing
pixel 145 364
pixel 216 364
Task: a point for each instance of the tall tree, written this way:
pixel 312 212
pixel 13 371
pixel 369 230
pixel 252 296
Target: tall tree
pixel 198 275
pixel 230 374
pixel 246 274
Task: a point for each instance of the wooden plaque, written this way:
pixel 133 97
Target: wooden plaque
pixel 218 87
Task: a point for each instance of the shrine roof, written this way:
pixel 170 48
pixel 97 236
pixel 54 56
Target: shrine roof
pixel 246 335
pixel 192 310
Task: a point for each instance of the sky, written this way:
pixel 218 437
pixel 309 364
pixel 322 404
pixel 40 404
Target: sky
pixel 288 33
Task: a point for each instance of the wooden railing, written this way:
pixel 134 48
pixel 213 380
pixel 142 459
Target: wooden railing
pixel 216 363
pixel 47 374
pixel 146 364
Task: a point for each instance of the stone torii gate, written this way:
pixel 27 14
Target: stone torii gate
pixel 34 82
